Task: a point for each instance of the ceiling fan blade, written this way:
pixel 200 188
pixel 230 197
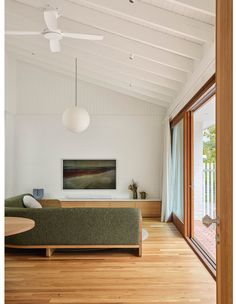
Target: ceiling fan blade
pixel 55 46
pixel 22 33
pixel 82 36
pixel 50 18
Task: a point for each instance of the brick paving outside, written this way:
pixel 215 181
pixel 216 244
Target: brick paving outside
pixel 205 237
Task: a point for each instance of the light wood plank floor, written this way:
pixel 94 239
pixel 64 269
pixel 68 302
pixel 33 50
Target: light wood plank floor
pixel 168 272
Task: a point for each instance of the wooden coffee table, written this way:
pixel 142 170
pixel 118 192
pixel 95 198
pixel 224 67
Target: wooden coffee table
pixel 15 225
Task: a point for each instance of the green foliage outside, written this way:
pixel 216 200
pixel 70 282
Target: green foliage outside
pixel 209 144
pixel 209 152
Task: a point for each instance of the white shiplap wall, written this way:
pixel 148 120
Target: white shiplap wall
pixel 122 127
pixel 10 112
pixel 42 91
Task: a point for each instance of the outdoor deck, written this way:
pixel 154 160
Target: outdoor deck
pixel 206 237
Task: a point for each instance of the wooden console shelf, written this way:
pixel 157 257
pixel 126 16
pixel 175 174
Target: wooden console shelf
pixel 149 208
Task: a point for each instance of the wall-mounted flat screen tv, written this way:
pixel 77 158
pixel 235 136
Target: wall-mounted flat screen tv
pixel 89 174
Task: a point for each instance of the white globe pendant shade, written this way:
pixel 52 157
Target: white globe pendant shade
pixel 76 119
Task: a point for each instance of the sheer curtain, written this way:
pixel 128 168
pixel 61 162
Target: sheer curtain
pixel 177 171
pixel 172 176
pixel 166 174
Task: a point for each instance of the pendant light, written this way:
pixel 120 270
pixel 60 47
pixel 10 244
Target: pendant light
pixel 76 119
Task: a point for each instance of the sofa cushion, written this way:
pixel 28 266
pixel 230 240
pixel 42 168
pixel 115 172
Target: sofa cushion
pixel 31 202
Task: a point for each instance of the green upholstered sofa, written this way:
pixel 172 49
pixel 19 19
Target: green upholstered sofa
pixel 57 227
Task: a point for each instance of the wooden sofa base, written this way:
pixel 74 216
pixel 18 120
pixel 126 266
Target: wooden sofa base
pixel 50 248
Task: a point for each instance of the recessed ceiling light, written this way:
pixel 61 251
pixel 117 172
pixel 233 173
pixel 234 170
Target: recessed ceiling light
pixel 131 56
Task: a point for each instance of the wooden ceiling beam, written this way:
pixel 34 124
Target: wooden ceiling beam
pixel 203 72
pixel 135 82
pixel 58 64
pixel 204 6
pixel 20 16
pixel 36 45
pixel 154 17
pixel 95 51
pixel 124 28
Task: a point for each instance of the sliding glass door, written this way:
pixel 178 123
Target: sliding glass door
pixel 193 179
pixel 204 177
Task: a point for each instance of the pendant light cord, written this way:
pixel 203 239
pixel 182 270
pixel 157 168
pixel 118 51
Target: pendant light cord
pixel 76 82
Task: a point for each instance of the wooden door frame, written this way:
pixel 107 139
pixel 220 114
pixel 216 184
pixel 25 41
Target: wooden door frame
pixel 224 147
pixel 200 98
pixel 189 177
pixel 207 90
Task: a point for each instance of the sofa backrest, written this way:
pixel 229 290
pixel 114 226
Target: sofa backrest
pixel 78 226
pixel 16 201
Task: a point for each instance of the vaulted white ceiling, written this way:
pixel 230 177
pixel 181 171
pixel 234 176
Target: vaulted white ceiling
pixel 150 48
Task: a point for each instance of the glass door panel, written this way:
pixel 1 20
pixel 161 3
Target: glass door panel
pixel 204 200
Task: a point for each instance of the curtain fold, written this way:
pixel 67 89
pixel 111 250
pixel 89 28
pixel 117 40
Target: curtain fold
pixel 166 174
pixel 177 171
pixel 172 172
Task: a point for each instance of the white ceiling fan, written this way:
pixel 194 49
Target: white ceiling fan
pixel 52 33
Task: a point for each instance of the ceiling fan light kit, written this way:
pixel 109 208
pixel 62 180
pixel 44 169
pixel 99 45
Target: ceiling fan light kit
pixel 52 35
pixel 76 119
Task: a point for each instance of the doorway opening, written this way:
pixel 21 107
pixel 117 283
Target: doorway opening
pixel 204 177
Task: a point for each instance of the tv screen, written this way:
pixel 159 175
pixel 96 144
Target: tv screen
pixel 89 174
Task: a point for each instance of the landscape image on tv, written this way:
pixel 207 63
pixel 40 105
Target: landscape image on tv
pixel 89 174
